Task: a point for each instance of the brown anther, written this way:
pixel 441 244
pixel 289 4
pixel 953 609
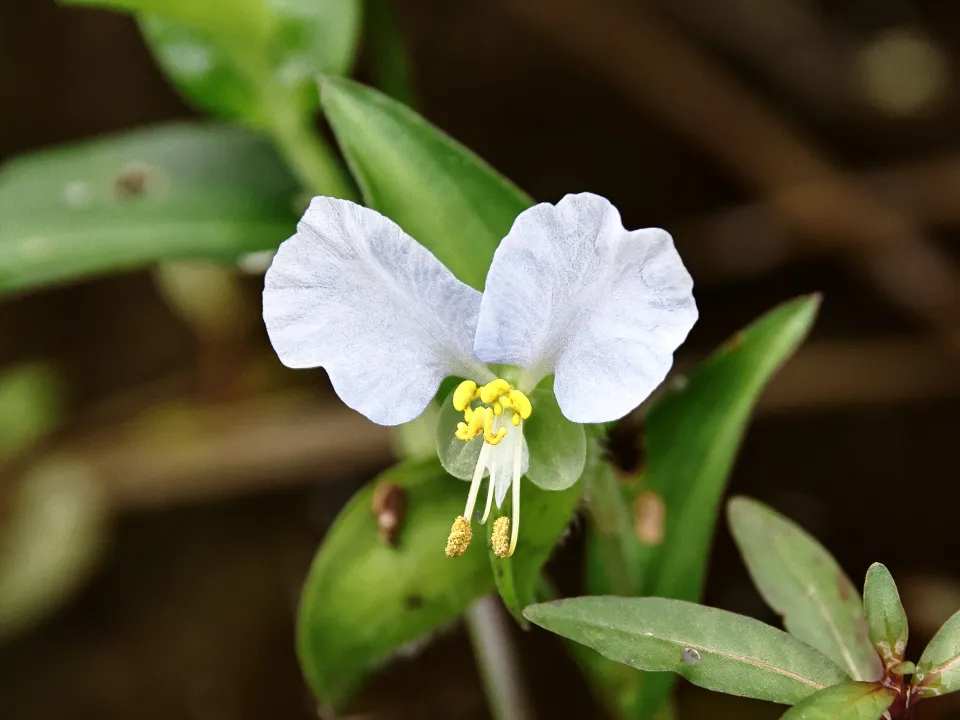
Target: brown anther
pixel 460 536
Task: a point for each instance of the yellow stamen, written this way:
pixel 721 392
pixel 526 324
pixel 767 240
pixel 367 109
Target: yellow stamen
pixel 460 536
pixel 463 395
pixel 500 537
pixel 520 404
pixel 493 390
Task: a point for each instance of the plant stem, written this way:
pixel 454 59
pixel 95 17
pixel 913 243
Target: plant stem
pixel 496 656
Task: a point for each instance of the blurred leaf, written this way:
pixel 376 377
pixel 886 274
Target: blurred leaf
pixel 801 581
pixel 50 542
pixel 435 189
pixel 712 648
pixel 173 191
pixel 849 701
pixel 391 66
pixel 363 599
pixel 709 411
pixel 29 406
pixel 938 671
pixel 886 618
pixel 245 58
pixel 544 516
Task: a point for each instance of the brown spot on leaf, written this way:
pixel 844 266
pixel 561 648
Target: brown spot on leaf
pixel 649 517
pixel 133 181
pixel 389 505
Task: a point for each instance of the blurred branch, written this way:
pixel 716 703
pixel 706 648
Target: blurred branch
pixel 656 66
pixel 755 238
pixel 783 39
pixel 193 453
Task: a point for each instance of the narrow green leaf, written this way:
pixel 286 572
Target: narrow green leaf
pixel 849 701
pixel 885 615
pixel 710 412
pixel 714 649
pixel 938 671
pixel 801 581
pixel 435 189
pixel 685 479
pixel 173 191
pixel 364 599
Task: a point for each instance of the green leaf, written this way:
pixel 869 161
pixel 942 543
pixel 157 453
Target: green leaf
pixel 714 649
pixel 885 616
pixel 364 599
pixel 241 58
pixel 938 671
pixel 849 701
pixel 173 191
pixel 391 66
pixel 544 516
pixel 710 412
pixel 435 189
pixel 801 581
pixel 686 479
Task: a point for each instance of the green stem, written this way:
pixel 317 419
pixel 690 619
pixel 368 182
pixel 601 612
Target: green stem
pixel 489 630
pixel 308 154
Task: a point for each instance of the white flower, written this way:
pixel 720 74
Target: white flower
pixel 570 293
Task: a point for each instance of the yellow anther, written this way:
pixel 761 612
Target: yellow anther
pixel 500 539
pixel 463 395
pixel 489 435
pixel 490 392
pixel 515 420
pixel 497 408
pixel 460 536
pixel 520 404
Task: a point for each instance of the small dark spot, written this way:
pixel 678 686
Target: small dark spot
pixel 414 602
pixel 624 447
pixel 133 181
pixel 735 342
pixel 389 504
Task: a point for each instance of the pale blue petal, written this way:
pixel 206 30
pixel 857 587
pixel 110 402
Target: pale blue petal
pixel 571 292
pixel 353 293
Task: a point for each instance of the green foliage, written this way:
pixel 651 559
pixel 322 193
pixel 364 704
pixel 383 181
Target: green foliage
pixel 885 615
pixel 709 411
pixel 439 192
pixel 711 648
pixel 803 583
pixel 938 671
pixel 237 58
pixel 849 701
pixel 364 599
pixel 174 191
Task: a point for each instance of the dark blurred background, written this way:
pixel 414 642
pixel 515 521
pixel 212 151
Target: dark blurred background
pixel 790 146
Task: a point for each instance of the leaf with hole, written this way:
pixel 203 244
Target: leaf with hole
pixel 170 192
pixel 714 649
